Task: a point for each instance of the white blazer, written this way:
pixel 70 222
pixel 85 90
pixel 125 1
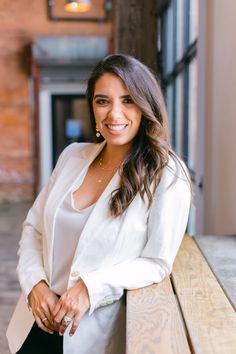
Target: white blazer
pixel 113 254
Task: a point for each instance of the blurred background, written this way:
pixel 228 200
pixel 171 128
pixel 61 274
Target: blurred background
pixel 47 50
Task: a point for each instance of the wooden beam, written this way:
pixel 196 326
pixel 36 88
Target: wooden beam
pixel 210 319
pixel 135 29
pixel 154 323
pixel 161 4
pixel 223 264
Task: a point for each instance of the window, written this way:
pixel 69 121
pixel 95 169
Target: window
pixel 177 57
pixel 70 121
pixel 178 63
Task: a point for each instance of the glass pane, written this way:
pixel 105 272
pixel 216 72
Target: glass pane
pixel 169 39
pixel 193 20
pixel 70 121
pixel 179 33
pixel 191 228
pixel 179 105
pixel 192 113
pixel 159 33
pixel 169 103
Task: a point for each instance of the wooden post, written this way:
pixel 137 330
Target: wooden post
pixel 135 29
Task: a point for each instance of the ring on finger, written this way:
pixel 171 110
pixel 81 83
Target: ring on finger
pixel 66 320
pixel 44 319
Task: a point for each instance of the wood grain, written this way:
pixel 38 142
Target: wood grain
pixel 154 324
pixel 210 319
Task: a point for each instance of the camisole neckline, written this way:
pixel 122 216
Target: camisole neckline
pixel 80 210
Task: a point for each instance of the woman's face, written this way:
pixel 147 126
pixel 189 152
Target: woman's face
pixel 117 117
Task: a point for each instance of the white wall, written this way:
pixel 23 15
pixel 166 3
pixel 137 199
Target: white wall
pixel 220 117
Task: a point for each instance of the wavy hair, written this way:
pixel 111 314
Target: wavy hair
pixel 142 168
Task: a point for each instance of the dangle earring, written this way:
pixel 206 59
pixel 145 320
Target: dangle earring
pixel 97 133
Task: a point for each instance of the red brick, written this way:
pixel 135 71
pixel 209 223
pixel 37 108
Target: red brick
pixel 20 22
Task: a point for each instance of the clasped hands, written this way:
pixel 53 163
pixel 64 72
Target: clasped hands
pixel 54 314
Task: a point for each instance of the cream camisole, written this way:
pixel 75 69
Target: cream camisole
pixel 68 228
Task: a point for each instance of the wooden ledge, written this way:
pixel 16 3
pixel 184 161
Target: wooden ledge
pixel 187 313
pixel 210 318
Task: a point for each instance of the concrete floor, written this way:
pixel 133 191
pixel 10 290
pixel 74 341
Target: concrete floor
pixel 220 252
pixel 11 218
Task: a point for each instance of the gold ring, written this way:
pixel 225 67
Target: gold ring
pixel 44 319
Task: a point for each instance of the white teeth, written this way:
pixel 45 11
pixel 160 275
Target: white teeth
pixel 116 127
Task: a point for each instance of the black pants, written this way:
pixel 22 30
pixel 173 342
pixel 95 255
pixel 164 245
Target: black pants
pixel 40 342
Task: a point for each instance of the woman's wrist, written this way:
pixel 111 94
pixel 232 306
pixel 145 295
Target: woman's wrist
pixel 40 285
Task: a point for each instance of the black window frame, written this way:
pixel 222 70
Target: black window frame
pixel 179 67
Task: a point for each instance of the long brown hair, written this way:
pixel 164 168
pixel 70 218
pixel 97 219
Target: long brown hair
pixel 141 170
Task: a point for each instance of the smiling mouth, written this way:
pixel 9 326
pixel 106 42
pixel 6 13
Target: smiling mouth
pixel 116 127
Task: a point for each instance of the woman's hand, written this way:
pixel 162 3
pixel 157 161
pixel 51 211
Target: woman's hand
pixel 42 302
pixel 71 307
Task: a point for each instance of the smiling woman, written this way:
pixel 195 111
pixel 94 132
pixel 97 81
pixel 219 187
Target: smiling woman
pixel 117 116
pixel 111 218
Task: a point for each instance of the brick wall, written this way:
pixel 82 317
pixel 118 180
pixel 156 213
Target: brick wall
pixel 20 22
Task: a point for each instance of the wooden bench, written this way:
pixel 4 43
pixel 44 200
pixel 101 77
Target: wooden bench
pixel 188 312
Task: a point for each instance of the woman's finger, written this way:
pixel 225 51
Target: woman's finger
pixel 44 320
pixel 47 323
pixel 65 322
pixel 75 324
pixel 57 308
pixel 59 316
pixel 50 323
pixel 52 304
pixel 44 314
pixel 41 325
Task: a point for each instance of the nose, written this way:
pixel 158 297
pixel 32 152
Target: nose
pixel 116 110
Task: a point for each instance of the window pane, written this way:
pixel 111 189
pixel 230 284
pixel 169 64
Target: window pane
pixel 169 102
pixel 192 113
pixel 193 20
pixel 179 33
pixel 168 38
pixel 70 122
pixel 159 33
pixel 179 115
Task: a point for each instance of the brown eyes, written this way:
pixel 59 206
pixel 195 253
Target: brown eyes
pixel 128 100
pixel 102 101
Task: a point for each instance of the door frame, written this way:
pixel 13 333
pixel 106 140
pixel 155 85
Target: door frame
pixel 45 124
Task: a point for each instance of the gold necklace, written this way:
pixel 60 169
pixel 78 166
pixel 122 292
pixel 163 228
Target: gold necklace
pixel 101 179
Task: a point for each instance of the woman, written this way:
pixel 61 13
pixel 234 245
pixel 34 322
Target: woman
pixel 111 217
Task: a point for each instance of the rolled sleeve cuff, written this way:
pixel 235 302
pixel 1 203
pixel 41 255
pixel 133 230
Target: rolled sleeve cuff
pixel 100 292
pixel 94 288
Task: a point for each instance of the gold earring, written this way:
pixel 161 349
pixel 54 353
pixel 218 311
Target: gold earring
pixel 97 133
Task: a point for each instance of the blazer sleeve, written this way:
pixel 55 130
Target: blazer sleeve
pixel 165 229
pixel 30 268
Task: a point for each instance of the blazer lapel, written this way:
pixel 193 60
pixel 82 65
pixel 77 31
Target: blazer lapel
pixel 72 172
pixel 99 213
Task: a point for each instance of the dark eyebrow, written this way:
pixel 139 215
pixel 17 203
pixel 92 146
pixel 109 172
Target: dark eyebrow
pixel 126 96
pixel 100 95
pixel 105 96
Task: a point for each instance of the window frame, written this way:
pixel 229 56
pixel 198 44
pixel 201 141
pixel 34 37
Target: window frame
pixel 180 66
